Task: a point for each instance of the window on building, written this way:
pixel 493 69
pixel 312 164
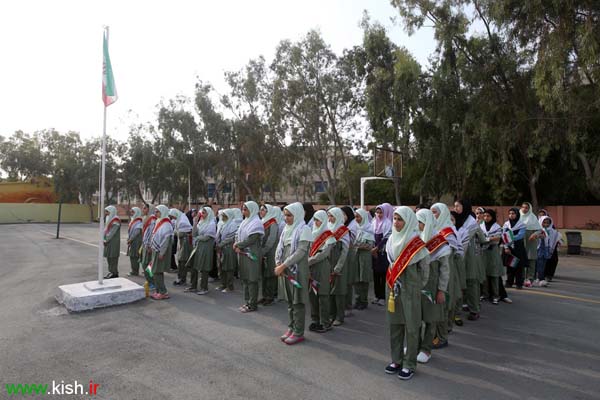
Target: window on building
pixel 211 190
pixel 320 186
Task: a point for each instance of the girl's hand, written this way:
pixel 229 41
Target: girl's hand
pixel 506 251
pixel 280 269
pixel 440 297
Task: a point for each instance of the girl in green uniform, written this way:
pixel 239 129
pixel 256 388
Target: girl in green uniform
pixel 320 271
pixel 112 241
pixel 364 243
pixel 183 231
pixel 533 233
pixel 434 293
pixel 162 239
pixel 492 259
pixel 408 272
pixel 134 240
pixel 292 267
pixel 339 261
pixel 268 215
pixel 224 243
pixel 204 233
pixel 248 247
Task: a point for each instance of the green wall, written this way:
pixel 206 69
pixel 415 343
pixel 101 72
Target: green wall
pixel 14 213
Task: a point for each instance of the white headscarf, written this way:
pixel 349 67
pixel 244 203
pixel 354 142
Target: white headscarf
pixel 426 217
pixel 230 226
pixel 136 219
pixel 400 239
pixel 112 213
pixel 443 221
pixel 252 224
pixel 298 230
pixel 220 223
pixel 271 213
pixel 237 214
pixel 552 235
pixel 530 219
pixel 162 232
pixel 182 223
pixel 338 214
pixel 279 218
pixel 321 215
pixel 365 228
pixel 207 226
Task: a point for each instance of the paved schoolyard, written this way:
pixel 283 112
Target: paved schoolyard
pixel 544 346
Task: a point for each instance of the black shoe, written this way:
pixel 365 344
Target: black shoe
pixel 108 276
pixel 313 326
pixel 473 316
pixel 405 374
pixel 179 282
pixel 392 368
pixel 458 321
pixel 322 329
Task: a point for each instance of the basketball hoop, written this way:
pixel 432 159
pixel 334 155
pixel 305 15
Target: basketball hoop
pixel 387 163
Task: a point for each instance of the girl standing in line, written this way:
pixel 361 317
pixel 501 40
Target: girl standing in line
pixel 533 233
pixel 364 243
pixel 292 267
pixel 339 261
pixel 408 273
pixel 224 243
pixel 436 289
pixel 134 240
pixel 491 257
pixel 204 234
pixel 162 238
pixel 513 233
pixel 248 247
pixel 320 272
pixel 382 229
pixel 268 214
pixel 112 241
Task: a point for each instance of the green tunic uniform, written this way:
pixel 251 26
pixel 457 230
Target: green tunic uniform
pixel 405 321
pixel 229 261
pixel 339 260
pixel 112 248
pixel 161 262
pixel 184 249
pixel 531 248
pixel 269 245
pixel 133 250
pixel 433 313
pixel 320 271
pixel 473 269
pixel 296 297
pixel 364 274
pixel 202 261
pixel 250 269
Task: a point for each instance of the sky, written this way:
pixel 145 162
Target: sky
pixel 50 74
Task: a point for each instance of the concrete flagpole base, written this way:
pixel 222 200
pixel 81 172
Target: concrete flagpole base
pixel 90 295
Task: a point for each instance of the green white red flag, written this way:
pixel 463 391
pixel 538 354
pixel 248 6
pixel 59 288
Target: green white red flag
pixel 109 90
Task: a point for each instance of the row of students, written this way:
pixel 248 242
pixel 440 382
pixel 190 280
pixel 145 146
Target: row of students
pixel 431 263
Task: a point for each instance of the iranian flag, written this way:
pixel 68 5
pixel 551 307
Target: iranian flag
pixel 109 90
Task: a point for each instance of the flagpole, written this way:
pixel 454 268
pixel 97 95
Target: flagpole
pixel 102 178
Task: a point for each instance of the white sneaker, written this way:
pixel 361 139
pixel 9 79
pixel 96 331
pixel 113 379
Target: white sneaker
pixel 536 282
pixel 543 283
pixel 201 292
pixel 507 300
pixel 423 357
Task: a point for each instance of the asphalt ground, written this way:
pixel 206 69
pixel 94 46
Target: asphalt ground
pixel 543 346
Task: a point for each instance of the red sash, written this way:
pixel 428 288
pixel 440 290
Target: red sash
pixel 317 244
pixel 147 223
pixel 160 223
pixel 436 242
pixel 110 224
pixel 269 223
pixel 133 222
pixel 446 231
pixel 412 248
pixel 340 232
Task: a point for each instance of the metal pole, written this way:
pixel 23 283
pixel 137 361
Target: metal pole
pixel 189 190
pixel 101 210
pixel 58 223
pixel 363 180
